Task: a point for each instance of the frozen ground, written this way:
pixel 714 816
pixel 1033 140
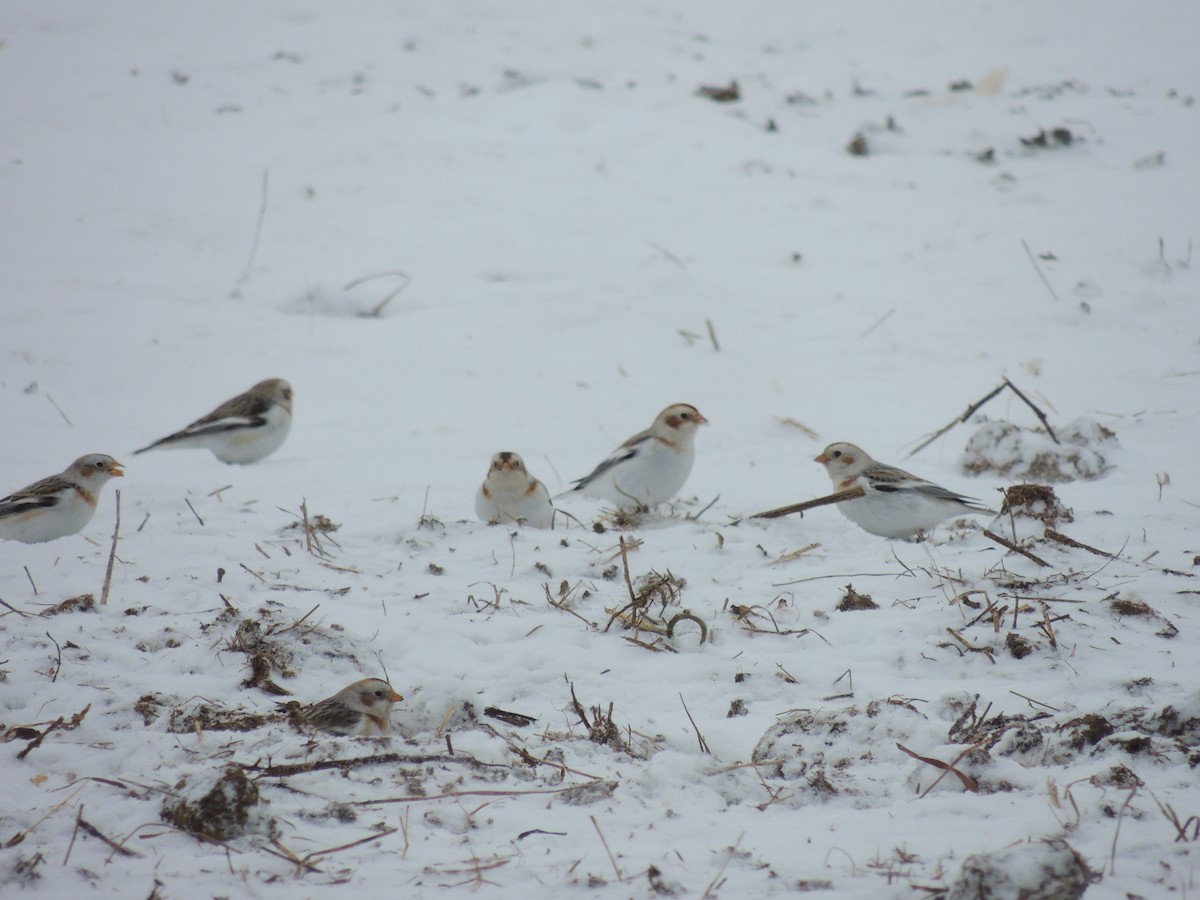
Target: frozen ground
pixel 572 215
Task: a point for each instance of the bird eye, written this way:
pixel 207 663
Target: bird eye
pixel 379 693
pixel 837 454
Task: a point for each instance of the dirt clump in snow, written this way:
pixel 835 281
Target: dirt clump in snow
pixel 222 812
pixel 852 600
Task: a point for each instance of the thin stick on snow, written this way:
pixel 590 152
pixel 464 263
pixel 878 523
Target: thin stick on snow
pixel 721 871
pixel 1071 542
pixel 1005 542
pixel 611 858
pixel 194 513
pixel 30 577
pixel 695 727
pixel 839 497
pixel 89 828
pixel 60 412
pixel 967 781
pixel 971 410
pixel 22 614
pixel 974 407
pixel 377 310
pixel 712 334
pixel 58 663
pixel 668 254
pixel 258 226
pixel 112 554
pixel 887 315
pixel 1041 415
pixel 1112 856
pixel 1038 268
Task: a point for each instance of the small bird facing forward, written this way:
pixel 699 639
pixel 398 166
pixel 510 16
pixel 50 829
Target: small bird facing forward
pixel 510 494
pixel 651 466
pixel 896 504
pixel 59 505
pixel 243 430
pixel 362 709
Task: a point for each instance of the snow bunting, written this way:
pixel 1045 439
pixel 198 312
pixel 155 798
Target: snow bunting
pixel 511 494
pixel 651 466
pixel 363 709
pixel 59 505
pixel 897 504
pixel 245 429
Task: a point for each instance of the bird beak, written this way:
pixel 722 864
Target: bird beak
pixel 700 420
pixel 821 459
pixel 396 697
pixel 116 470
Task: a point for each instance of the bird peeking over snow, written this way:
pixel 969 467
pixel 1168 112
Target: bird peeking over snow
pixel 362 709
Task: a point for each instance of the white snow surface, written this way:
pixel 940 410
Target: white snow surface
pixel 570 216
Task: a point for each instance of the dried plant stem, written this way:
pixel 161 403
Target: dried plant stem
pixel 712 334
pixel 974 407
pixel 971 410
pixel 58 662
pixel 56 725
pixel 687 616
pixel 31 583
pixel 454 794
pixel 194 513
pixel 88 828
pixel 284 770
pixel 887 315
pixel 695 727
pixel 721 871
pixel 1078 545
pixel 60 412
pixel 612 859
pixel 1005 542
pixel 112 554
pixel 1112 856
pixel 1036 410
pixel 258 227
pixel 840 497
pixel 1038 268
pixel 967 781
pixel 377 310
pixel 19 612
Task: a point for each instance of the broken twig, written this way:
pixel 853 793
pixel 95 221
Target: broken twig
pixel 840 497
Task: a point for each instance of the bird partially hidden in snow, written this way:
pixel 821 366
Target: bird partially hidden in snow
pixel 510 495
pixel 650 467
pixel 896 504
pixel 243 430
pixel 362 709
pixel 58 505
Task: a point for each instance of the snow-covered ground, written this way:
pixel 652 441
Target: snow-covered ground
pixel 187 190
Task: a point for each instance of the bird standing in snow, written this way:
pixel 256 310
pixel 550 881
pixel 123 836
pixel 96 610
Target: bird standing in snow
pixel 59 505
pixel 511 494
pixel 896 504
pixel 245 429
pixel 651 466
pixel 362 709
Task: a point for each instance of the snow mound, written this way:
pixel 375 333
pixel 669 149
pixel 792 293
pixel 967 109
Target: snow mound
pixel 1046 870
pixel 1031 454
